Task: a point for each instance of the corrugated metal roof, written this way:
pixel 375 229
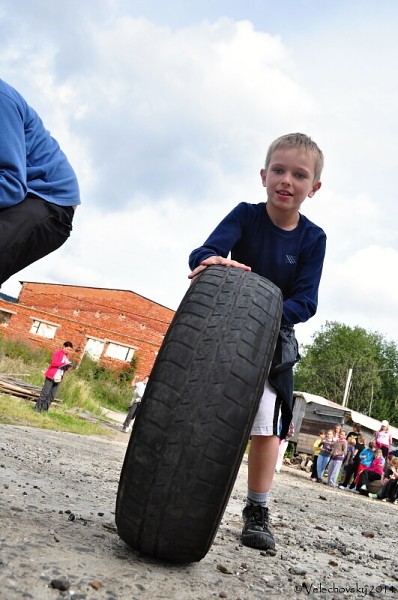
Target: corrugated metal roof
pixel 319 400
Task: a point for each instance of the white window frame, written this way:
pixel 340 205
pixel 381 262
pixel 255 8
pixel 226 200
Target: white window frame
pixel 129 351
pixel 94 347
pixel 44 329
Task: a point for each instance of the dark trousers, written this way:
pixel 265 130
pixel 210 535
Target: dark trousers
pixel 389 490
pixel 349 473
pixel 365 478
pixel 47 395
pixel 131 414
pixel 30 230
pixel 314 472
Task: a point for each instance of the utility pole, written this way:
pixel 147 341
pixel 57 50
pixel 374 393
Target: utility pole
pixel 347 388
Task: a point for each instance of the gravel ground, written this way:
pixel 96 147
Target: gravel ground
pixel 57 502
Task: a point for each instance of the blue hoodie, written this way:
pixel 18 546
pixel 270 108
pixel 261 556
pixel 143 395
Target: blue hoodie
pixel 292 260
pixel 31 161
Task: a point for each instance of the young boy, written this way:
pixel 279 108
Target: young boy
pixel 274 240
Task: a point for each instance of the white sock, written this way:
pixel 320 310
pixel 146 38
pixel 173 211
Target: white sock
pixel 256 498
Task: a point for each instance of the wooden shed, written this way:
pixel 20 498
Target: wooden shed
pixel 312 413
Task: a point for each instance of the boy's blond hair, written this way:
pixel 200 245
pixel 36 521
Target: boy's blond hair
pixel 301 142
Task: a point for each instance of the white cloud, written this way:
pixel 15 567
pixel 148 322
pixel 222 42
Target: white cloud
pixel 167 128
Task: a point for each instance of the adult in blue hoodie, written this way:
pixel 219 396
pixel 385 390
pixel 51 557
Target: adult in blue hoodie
pixel 39 191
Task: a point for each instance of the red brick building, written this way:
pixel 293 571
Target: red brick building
pixel 112 326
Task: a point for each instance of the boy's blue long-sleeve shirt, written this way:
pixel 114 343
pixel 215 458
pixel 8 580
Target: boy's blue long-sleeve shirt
pixel 292 260
pixel 31 161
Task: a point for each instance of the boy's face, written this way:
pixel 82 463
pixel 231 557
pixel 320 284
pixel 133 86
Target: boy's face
pixel 289 178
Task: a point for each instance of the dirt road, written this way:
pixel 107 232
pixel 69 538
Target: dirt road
pixel 57 501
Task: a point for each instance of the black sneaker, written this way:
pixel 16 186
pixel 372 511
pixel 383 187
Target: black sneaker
pixel 255 532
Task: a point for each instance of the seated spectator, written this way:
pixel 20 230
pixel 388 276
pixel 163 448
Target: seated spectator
pixel 336 459
pixel 372 473
pixel 365 459
pixel 389 488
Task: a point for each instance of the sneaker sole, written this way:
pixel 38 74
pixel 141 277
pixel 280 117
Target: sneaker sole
pixel 258 540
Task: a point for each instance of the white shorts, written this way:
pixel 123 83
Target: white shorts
pixel 268 418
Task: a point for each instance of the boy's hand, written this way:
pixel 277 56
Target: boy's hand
pixel 217 260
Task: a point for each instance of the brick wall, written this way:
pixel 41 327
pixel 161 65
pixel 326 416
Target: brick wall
pixel 118 316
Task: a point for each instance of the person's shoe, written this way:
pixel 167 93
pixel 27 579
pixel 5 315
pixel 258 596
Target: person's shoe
pixel 255 532
pixel 363 487
pixel 342 487
pixel 374 496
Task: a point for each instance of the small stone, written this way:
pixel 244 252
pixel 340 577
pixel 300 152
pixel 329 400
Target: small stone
pixel 368 534
pixel 298 570
pixel 224 569
pixel 60 584
pixel 333 563
pixel 96 585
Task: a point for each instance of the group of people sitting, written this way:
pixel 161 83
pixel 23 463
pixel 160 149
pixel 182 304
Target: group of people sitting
pixel 349 464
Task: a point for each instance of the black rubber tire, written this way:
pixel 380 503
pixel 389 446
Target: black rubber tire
pixel 192 429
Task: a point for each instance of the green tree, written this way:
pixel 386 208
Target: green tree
pixel 336 349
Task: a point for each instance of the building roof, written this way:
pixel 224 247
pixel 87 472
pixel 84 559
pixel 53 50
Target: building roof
pixel 91 287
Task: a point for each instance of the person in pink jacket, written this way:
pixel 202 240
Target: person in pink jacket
pixel 60 362
pixel 375 471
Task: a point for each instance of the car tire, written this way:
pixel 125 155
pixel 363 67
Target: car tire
pixel 194 422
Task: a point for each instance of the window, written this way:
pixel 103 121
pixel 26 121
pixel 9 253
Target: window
pixel 46 330
pixel 120 352
pixel 94 348
pixel 5 317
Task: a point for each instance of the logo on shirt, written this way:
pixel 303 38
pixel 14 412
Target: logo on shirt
pixel 290 259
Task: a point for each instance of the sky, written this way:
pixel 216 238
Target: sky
pixel 166 111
